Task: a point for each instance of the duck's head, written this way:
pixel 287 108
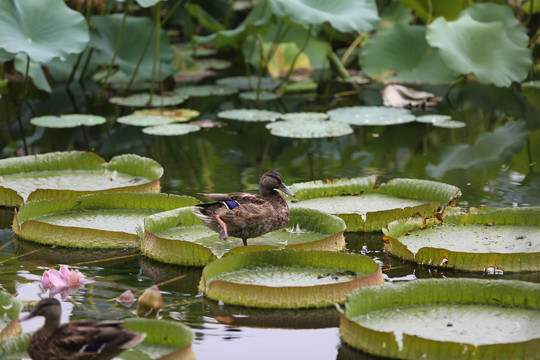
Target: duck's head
pixel 49 308
pixel 273 180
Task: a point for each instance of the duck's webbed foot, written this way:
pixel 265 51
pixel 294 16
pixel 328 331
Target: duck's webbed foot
pixel 223 234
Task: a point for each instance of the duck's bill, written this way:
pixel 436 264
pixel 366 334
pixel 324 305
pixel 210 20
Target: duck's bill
pixel 286 190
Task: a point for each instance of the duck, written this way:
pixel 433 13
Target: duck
pixel 246 215
pixel 77 340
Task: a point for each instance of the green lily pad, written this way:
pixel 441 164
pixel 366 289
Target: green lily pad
pixel 261 96
pixel 176 115
pixel 67 174
pixel 371 115
pixel 491 240
pixel 314 116
pixel 249 115
pixel 42 35
pixel 217 64
pixel 464 49
pixel 171 129
pixel 366 208
pixel 288 278
pixel 92 221
pixel 309 129
pixel 345 15
pixel 433 118
pixel 144 120
pixel 451 124
pixel 179 237
pixel 68 120
pixel 10 307
pixel 143 100
pixel 442 318
pixel 248 83
pixel 205 90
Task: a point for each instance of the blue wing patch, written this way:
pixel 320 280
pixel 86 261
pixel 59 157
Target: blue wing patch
pixel 230 204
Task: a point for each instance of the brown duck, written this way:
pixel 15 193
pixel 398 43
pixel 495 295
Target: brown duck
pixel 77 340
pixel 245 215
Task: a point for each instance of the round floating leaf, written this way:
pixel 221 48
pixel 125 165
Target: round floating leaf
pixel 442 318
pixel 309 129
pixel 249 115
pixel 67 174
pixel 218 64
pixel 248 83
pixel 179 237
pixel 205 90
pixel 314 116
pixel 509 242
pixel 144 120
pixel 92 221
pixel 143 100
pixel 433 118
pixel 371 115
pixel 176 115
pixel 171 129
pixel 345 15
pixel 451 124
pixel 365 208
pixel 482 48
pixel 288 278
pixel 42 35
pixel 261 96
pixel 68 120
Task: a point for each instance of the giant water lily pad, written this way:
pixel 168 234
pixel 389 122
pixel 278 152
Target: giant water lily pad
pixel 491 240
pixel 309 129
pixel 249 115
pixel 92 221
pixel 366 208
pixel 179 237
pixel 68 120
pixel 371 115
pixel 67 174
pixel 288 278
pixel 445 318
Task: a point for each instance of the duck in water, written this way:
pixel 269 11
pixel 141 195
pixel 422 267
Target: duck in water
pixel 245 215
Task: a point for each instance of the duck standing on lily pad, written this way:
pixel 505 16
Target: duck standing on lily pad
pixel 246 215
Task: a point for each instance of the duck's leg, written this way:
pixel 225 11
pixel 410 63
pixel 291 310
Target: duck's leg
pixel 244 241
pixel 223 234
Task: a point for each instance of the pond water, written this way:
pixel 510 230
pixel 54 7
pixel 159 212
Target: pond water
pixel 231 158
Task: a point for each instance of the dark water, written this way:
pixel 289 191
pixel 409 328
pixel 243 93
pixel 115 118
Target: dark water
pixel 232 158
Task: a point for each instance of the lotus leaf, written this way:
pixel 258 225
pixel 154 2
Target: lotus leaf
pixel 531 90
pixel 144 120
pixel 484 239
pixel 171 129
pixel 92 221
pixel 313 116
pixel 345 16
pixel 35 72
pixel 441 318
pixel 260 96
pixel 5 56
pixel 206 90
pixel 425 9
pixel 68 120
pixel 371 115
pixel 179 237
pixel 249 115
pixel 309 129
pixel 366 208
pixel 248 82
pixel 42 35
pixel 66 174
pixel 464 49
pixel 417 61
pixel 143 100
pixel 288 278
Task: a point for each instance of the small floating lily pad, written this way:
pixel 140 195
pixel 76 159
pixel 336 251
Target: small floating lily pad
pixel 450 124
pixel 309 129
pixel 433 118
pixel 288 278
pixel 248 83
pixel 366 208
pixel 371 115
pixel 205 90
pixel 143 100
pixel 212 63
pixel 177 115
pixel 68 120
pixel 92 221
pixel 491 240
pixel 313 116
pixel 179 237
pixel 261 96
pixel 438 318
pixel 171 129
pixel 144 120
pixel 67 174
pixel 249 115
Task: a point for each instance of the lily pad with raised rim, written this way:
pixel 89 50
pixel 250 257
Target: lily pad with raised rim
pixel 490 240
pixel 444 318
pixel 171 129
pixel 68 174
pixel 143 100
pixel 288 278
pixel 249 115
pixel 366 208
pixel 371 115
pixel 309 129
pixel 92 221
pixel 179 237
pixel 68 120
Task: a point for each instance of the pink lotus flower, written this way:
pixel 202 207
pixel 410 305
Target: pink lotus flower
pixel 64 281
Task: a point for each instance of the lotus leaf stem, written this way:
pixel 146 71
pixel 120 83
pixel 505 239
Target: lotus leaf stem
pixel 300 51
pixel 156 52
pixel 25 90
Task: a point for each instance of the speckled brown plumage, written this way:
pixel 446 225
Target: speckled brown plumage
pixel 254 216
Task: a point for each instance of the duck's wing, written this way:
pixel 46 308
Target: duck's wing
pixel 240 197
pixel 248 213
